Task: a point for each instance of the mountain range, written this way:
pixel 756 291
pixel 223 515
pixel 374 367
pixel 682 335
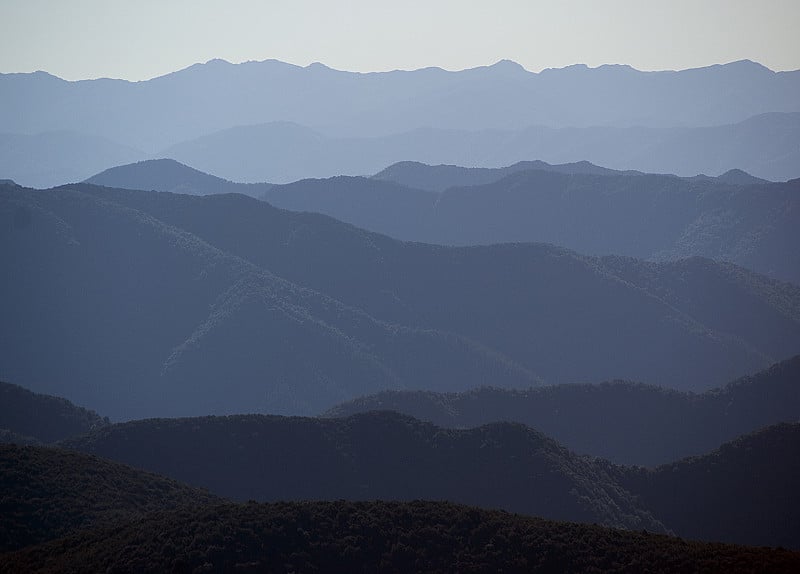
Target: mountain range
pixel 272 121
pixel 159 304
pixel 734 217
pixel 742 492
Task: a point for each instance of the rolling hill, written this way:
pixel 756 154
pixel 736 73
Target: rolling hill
pixel 169 175
pixel 655 217
pixel 371 456
pixel 627 423
pixel 279 152
pixel 386 536
pixel 743 492
pixel 594 210
pixel 50 492
pixel 162 304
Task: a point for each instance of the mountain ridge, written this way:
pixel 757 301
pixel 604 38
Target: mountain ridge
pixel 622 421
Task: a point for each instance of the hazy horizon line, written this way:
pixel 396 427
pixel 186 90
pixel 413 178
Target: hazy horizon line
pixel 409 70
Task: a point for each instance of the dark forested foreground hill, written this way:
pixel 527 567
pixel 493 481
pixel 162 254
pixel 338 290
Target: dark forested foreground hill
pixel 373 456
pixel 162 304
pixel 765 145
pixel 48 492
pixel 380 536
pixel 43 418
pixel 745 491
pixel 628 423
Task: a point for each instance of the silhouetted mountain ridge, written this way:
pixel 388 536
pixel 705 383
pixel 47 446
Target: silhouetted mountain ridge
pixel 41 417
pixel 372 456
pixel 172 304
pixel 172 176
pixel 628 423
pixel 743 492
pixel 49 492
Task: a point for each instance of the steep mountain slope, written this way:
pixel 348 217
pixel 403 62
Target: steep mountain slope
pixel 50 492
pixel 744 492
pixel 372 456
pixel 566 318
pixel 624 422
pixel 657 217
pixel 42 417
pixel 380 536
pixel 169 175
pixel 137 317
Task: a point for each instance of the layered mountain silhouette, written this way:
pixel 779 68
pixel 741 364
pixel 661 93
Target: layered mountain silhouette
pixel 628 423
pixel 169 175
pixel 591 209
pixel 372 456
pixel 216 95
pixel 379 536
pixel 150 303
pixel 280 152
pixel 743 492
pixel 56 157
pixel 50 492
pixel 271 121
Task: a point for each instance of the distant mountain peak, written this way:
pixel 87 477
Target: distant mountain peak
pixel 740 177
pixel 507 66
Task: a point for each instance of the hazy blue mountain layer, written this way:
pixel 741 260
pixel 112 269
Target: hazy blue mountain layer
pixel 203 98
pixel 56 157
pixel 149 303
pixel 743 492
pixel 766 146
pixel 595 210
pixel 372 456
pixel 50 492
pixel 271 121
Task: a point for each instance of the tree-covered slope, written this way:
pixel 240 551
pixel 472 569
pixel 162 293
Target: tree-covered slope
pixel 372 456
pixel 628 423
pixel 138 317
pixel 743 492
pixel 41 417
pixel 562 316
pixel 380 536
pixel 49 492
pixel 163 304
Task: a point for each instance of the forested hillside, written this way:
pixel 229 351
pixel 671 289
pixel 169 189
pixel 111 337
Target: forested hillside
pixel 628 423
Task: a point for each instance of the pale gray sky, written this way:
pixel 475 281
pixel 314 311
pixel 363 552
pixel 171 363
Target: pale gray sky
pixel 139 39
